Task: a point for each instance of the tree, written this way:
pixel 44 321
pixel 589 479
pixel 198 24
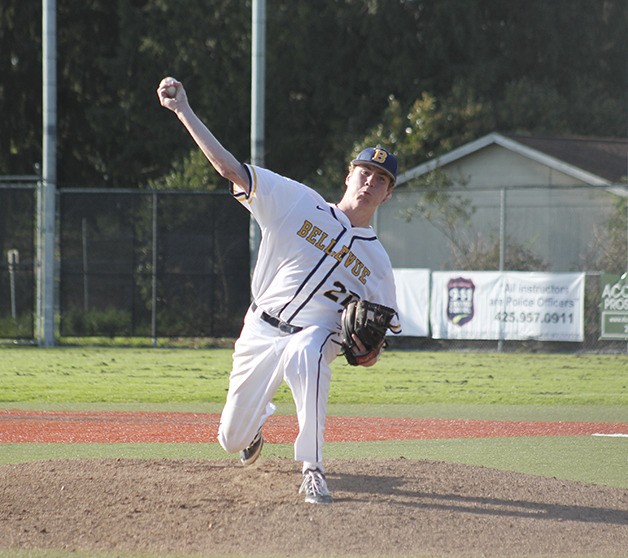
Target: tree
pixel 531 65
pixel 192 173
pixel 20 86
pixel 477 252
pixel 109 83
pixel 609 246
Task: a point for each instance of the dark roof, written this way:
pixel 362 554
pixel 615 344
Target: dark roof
pixel 604 157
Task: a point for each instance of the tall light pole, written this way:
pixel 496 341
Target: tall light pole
pixel 258 63
pixel 48 185
pixel 258 84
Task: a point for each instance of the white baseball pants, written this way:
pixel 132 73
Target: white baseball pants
pixel 263 358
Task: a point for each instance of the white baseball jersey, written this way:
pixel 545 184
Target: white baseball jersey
pixel 311 263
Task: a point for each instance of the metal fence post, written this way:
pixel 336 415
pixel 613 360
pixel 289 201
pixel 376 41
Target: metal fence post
pixel 13 258
pixel 85 265
pixel 502 254
pixel 153 320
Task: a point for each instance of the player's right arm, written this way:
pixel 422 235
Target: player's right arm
pixel 220 158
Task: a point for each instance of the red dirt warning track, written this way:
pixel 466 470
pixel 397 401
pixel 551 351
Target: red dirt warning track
pixel 17 426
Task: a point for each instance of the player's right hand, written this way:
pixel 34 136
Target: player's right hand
pixel 172 103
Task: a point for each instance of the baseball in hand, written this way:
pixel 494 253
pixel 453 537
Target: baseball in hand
pixel 171 90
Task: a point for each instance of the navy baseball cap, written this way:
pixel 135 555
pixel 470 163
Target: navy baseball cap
pixel 380 157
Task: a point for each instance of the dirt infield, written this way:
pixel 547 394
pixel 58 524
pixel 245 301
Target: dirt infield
pixel 120 427
pixel 382 507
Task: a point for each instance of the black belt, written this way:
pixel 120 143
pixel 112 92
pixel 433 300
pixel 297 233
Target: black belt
pixel 275 322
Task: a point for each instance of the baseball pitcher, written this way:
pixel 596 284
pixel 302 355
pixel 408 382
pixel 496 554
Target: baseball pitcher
pixel 322 286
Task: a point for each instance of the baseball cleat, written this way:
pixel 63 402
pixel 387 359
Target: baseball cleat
pixel 249 455
pixel 315 488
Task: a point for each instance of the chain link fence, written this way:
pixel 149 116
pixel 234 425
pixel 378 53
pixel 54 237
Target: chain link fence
pixel 133 263
pixel 17 263
pixel 152 264
pixel 130 264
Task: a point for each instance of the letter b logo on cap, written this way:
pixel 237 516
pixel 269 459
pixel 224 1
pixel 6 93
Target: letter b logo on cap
pixel 379 155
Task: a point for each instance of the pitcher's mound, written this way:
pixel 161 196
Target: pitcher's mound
pixel 382 507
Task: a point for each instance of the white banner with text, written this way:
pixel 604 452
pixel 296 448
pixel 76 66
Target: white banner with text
pixel 413 300
pixel 507 305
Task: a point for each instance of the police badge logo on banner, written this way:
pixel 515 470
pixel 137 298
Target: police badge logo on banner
pixel 460 300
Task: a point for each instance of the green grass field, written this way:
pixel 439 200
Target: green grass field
pixel 405 383
pixel 114 375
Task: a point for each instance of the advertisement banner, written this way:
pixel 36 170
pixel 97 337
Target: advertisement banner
pixel 507 305
pixel 614 307
pixel 413 300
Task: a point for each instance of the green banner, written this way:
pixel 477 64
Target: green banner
pixel 614 307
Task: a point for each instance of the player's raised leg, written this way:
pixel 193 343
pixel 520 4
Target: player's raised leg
pixel 254 379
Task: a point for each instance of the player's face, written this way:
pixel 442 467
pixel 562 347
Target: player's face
pixel 369 183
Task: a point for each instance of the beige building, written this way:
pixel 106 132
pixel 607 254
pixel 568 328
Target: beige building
pixel 549 199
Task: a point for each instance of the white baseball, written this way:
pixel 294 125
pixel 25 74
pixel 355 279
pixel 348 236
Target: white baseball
pixel 171 90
